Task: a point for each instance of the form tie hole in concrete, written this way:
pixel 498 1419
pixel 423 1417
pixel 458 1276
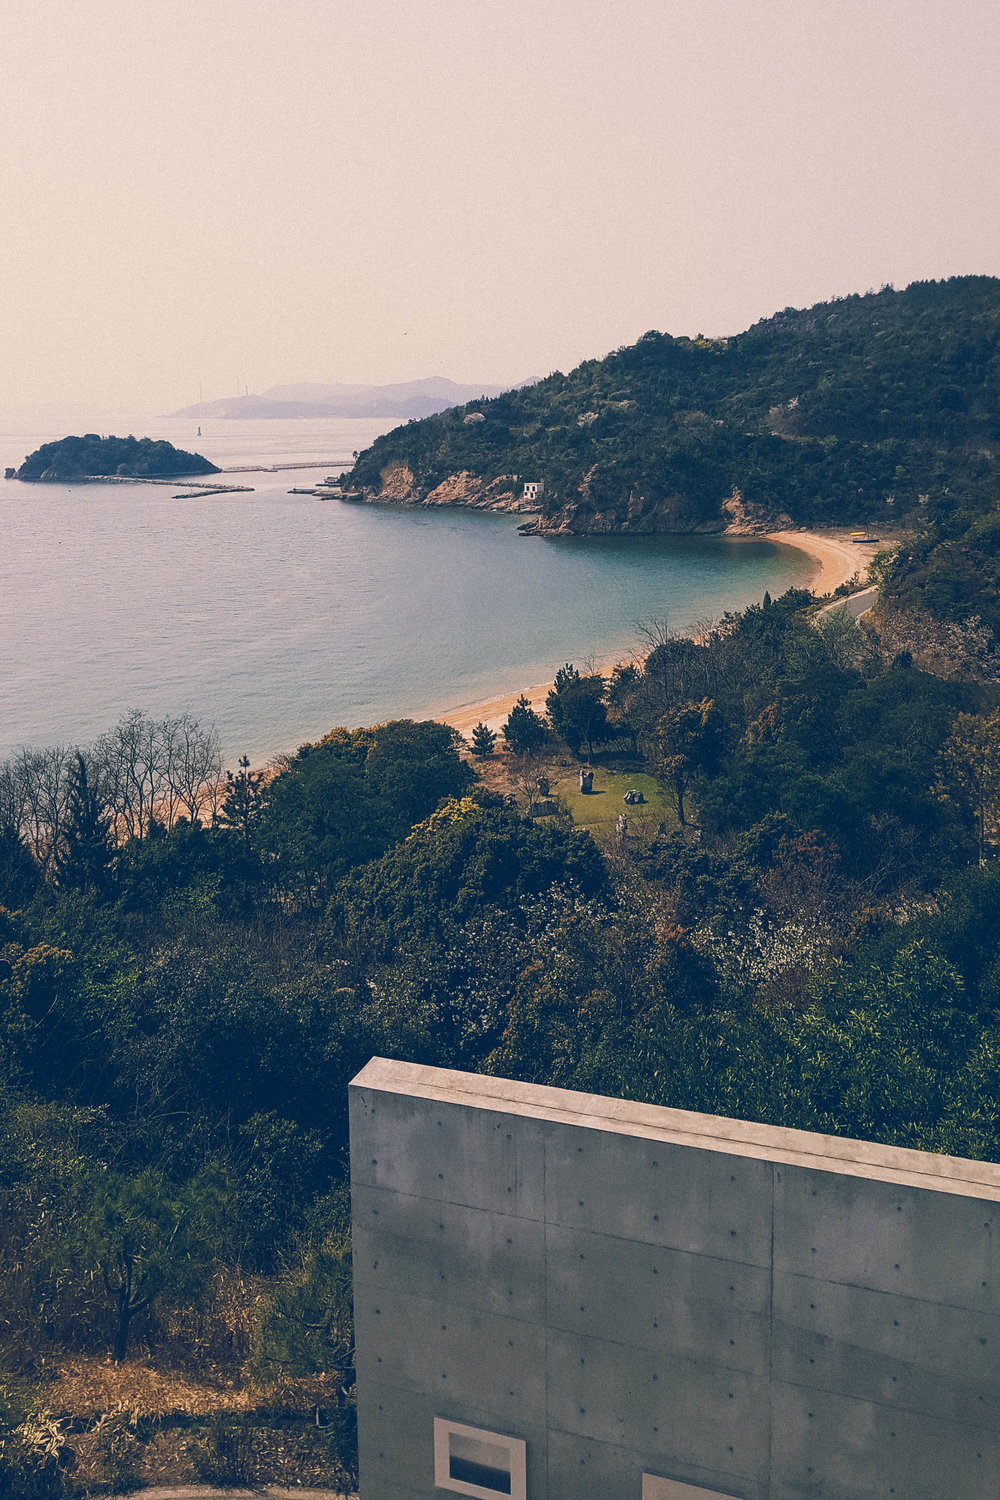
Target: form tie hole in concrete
pixel 895 1322
pixel 656 1218
pixel 897 1265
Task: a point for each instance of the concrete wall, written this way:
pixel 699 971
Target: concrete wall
pixel 739 1310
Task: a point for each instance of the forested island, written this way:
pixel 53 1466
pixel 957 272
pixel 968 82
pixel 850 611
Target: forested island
pixel 867 409
pixel 94 457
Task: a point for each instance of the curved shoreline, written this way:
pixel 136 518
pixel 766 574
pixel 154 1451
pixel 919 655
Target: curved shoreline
pixel 837 559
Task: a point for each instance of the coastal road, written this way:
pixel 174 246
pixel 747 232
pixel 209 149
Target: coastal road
pixel 855 605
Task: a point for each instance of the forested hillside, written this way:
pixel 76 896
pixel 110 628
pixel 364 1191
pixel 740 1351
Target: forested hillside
pixel 868 409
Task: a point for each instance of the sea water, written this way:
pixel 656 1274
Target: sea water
pixel 277 616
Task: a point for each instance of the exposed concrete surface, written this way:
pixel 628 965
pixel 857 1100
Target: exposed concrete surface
pixel 759 1313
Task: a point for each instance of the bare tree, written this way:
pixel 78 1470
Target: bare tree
pixel 192 767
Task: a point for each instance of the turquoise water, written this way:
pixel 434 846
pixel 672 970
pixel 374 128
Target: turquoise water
pixel 278 616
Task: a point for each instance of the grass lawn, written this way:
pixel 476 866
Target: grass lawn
pixel 605 803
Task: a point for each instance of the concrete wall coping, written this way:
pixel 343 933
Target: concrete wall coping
pixel 800 1148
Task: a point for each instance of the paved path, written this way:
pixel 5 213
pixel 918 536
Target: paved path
pixel 855 605
pixel 207 1492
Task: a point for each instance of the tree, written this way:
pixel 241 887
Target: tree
pixel 349 798
pixel 524 732
pixel 139 1238
pixel 688 740
pixel 85 857
pixel 970 772
pixel 20 877
pixel 483 740
pixel 576 708
pixel 622 697
pixel 243 802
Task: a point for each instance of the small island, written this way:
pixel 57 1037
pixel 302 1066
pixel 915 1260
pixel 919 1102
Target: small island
pixel 93 457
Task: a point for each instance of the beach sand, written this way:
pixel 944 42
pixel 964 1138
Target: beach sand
pixel 836 560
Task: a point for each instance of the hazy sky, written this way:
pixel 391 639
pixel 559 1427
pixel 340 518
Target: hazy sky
pixel 213 191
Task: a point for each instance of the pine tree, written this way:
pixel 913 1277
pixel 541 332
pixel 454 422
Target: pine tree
pixel 85 860
pixel 524 732
pixel 483 740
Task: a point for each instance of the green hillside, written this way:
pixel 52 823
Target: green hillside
pixel 864 409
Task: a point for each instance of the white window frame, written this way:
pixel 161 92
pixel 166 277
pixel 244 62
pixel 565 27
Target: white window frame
pixel 655 1487
pixel 515 1448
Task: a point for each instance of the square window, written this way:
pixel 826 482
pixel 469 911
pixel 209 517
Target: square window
pixel 471 1461
pixel 655 1488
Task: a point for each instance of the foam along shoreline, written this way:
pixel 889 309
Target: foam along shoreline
pixel 836 560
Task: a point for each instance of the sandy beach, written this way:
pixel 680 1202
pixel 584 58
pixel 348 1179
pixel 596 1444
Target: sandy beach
pixel 836 559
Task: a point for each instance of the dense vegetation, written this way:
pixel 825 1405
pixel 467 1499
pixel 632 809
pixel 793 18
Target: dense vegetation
pixel 183 1002
pixel 869 409
pixel 91 456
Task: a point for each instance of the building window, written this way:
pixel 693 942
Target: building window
pixel 469 1461
pixel 655 1488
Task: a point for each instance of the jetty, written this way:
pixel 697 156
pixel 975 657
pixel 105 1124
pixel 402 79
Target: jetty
pixel 319 463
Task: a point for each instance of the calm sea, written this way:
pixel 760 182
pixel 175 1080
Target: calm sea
pixel 277 616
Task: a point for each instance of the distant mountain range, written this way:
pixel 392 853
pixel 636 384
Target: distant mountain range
pixel 410 398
